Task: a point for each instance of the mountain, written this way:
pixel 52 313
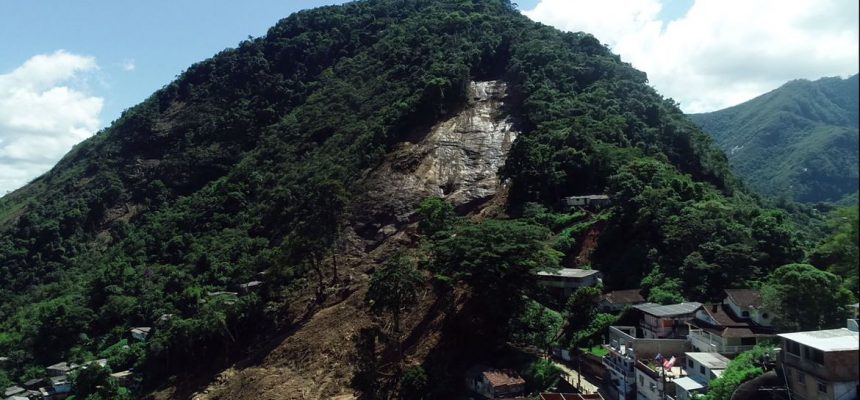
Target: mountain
pixel 799 141
pixel 358 203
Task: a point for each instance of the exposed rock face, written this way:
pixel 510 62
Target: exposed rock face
pixel 457 160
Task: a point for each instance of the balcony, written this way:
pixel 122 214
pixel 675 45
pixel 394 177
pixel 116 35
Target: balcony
pixel 708 342
pixel 616 365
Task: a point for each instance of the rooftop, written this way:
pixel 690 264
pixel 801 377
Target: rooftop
pixel 840 339
pixel 745 298
pixel 659 310
pixel 570 272
pixel 630 296
pixel 709 360
pixel 590 197
pixel 689 384
pixel 497 377
pixel 570 396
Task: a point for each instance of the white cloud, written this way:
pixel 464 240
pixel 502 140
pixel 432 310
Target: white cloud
pixel 721 52
pixel 128 65
pixel 43 113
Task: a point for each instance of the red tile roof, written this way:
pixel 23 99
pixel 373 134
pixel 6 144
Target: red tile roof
pixel 745 298
pixel 503 377
pixel 630 296
pixel 727 324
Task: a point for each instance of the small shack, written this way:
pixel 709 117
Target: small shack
pixel 590 200
pixel 140 332
pixel 494 383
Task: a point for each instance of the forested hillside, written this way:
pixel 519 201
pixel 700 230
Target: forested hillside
pixel 255 165
pixel 799 141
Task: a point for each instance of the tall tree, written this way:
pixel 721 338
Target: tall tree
pixel 393 289
pixel 802 297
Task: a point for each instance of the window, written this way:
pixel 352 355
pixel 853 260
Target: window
pixel 690 362
pixel 702 369
pixel 801 377
pixel 822 387
pixel 817 356
pixel 792 347
pixel 748 341
pixel 641 381
pixel 764 315
pixel 745 313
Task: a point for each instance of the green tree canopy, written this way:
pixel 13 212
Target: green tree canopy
pixel 802 297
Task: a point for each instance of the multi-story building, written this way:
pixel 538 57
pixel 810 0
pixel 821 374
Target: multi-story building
pixel 666 321
pixel 625 347
pixel 821 365
pixel 652 380
pixel 717 328
pixel 701 368
pixel 747 304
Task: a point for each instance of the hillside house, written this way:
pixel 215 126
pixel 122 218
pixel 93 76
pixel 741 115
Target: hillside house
pixel 625 347
pixel 61 384
pixel 35 384
pixel 494 383
pixel 821 365
pixel 591 200
pixel 13 391
pixel 701 368
pixel 616 300
pixel 249 287
pixel 747 304
pixel 716 328
pixel 140 333
pixel 652 379
pixel 666 321
pixel 566 280
pixel 61 368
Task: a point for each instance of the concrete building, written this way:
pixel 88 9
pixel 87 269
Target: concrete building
pixel 666 321
pixel 747 304
pixel 61 368
pixel 717 328
pixel 652 380
pixel 625 347
pixel 821 365
pixel 570 396
pixel 591 200
pixel 701 369
pixel 566 280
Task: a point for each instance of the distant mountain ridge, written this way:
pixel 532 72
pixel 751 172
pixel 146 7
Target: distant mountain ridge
pixel 798 141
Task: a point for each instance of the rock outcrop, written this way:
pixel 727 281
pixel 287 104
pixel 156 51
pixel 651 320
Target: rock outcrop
pixel 458 160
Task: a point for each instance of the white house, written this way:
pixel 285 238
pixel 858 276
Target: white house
pixel 701 368
pixel 566 280
pixel 747 303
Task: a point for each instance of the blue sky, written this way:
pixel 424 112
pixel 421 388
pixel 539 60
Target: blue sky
pixel 158 38
pixel 69 68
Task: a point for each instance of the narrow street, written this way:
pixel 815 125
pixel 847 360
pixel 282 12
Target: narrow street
pixel 573 376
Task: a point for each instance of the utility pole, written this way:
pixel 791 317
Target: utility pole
pixel 663 383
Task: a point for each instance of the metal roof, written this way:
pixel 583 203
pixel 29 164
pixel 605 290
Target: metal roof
pixel 688 383
pixel 709 360
pixel 570 272
pixel 659 310
pixel 840 339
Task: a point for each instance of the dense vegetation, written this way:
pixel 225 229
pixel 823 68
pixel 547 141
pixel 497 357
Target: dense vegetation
pixel 252 161
pixel 799 141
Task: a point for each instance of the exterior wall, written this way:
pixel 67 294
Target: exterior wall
pixel 480 386
pixel 704 341
pixel 758 316
pixel 694 370
pixel 809 380
pixel 665 327
pixel 647 387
